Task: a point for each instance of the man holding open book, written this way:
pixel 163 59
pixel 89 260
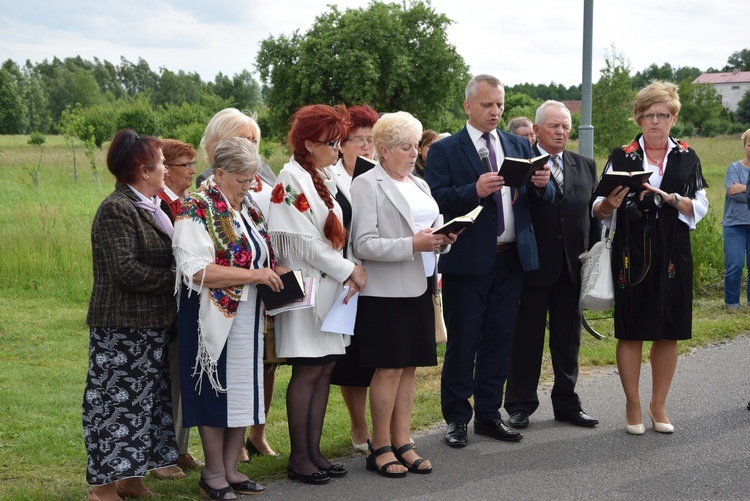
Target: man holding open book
pixel 562 233
pixel 482 273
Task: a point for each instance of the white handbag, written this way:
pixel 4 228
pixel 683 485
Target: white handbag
pixel 597 285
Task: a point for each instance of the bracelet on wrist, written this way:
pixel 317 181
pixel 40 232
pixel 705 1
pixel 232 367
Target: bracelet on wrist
pixel 604 214
pixel 677 199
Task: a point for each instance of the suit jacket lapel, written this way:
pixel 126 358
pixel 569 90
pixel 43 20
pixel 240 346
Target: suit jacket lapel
pixel 148 216
pixel 467 146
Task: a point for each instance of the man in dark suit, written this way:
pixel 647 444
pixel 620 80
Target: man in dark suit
pixel 482 273
pixel 562 234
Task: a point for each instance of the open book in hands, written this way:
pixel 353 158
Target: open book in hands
pixel 517 171
pixel 458 223
pixel 614 178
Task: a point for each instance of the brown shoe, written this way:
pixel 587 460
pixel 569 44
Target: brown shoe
pixel 168 473
pixel 189 462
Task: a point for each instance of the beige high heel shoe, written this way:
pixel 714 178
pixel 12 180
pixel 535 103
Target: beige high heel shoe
pixel 659 427
pixel 635 429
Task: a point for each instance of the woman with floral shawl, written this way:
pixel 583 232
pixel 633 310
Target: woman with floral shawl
pixel 305 224
pixel 652 262
pixel 221 247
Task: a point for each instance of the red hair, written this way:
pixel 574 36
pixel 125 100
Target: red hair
pixel 320 123
pixel 362 116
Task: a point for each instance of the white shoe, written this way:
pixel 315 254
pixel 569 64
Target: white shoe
pixel 358 447
pixel 660 427
pixel 636 429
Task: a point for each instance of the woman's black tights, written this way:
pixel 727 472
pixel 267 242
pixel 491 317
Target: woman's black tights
pixel 306 401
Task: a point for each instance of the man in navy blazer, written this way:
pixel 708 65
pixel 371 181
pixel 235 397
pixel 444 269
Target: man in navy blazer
pixel 482 273
pixel 563 231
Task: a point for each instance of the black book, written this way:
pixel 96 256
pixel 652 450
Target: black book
pixel 362 165
pixel 612 179
pixel 293 290
pixel 460 222
pixel 518 171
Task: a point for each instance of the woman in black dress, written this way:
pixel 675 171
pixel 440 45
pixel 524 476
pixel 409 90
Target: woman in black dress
pixel 652 262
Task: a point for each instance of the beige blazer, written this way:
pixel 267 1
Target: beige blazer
pixel 382 231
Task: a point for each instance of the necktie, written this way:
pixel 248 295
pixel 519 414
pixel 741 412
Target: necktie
pixel 497 195
pixel 161 218
pixel 557 172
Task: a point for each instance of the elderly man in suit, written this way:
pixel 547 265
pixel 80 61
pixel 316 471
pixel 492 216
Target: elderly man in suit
pixel 562 234
pixel 482 273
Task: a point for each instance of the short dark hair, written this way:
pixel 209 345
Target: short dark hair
pixel 128 151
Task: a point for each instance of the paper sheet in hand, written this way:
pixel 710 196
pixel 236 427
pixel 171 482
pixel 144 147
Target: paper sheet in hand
pixel 342 316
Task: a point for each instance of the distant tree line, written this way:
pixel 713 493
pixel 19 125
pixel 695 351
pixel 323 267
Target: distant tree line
pixel 340 59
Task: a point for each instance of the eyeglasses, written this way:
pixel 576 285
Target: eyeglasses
pixel 332 144
pixel 186 165
pixel 360 141
pixel 659 116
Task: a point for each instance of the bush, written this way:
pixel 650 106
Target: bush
pixel 715 127
pixel 140 117
pixel 708 253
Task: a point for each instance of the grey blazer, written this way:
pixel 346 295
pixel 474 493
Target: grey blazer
pixel 382 231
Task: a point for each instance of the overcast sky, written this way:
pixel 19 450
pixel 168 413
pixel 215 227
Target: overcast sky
pixel 536 41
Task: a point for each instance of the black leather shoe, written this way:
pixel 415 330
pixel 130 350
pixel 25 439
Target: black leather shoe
pixel 519 419
pixel 497 430
pixel 247 487
pixel 579 418
pixel 456 435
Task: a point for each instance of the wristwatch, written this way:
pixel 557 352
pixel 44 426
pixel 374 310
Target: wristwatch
pixel 677 199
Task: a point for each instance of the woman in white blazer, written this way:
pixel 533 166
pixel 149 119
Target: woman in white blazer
pixel 393 217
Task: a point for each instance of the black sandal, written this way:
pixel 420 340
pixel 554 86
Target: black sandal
pixel 414 467
pixel 372 465
pixel 211 493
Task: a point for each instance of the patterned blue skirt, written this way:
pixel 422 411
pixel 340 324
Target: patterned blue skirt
pixel 127 408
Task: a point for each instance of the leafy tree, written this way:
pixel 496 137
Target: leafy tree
pixel 739 60
pixel 71 86
pixel 177 88
pixel 743 109
pixel 701 104
pixel 612 108
pixel 102 120
pixel 37 139
pixel 689 73
pixel 139 116
pixel 36 99
pixel 136 78
pixel 13 113
pixel 343 58
pixel 106 75
pixel 73 127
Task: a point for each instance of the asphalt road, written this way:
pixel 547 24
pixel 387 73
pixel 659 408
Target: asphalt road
pixel 708 456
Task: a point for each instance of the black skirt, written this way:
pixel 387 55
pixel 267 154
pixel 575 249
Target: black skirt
pixel 396 332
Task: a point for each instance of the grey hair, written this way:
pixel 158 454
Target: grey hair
pixel 550 102
pixel 471 87
pixel 394 129
pixel 517 123
pixel 237 155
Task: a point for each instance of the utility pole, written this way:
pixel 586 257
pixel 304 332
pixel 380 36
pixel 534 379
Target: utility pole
pixel 586 130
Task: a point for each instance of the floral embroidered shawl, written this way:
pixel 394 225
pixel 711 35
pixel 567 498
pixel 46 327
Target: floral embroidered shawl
pixel 207 231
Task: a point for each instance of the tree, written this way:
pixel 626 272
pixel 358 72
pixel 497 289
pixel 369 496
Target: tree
pixel 343 58
pixel 701 104
pixel 177 88
pixel 743 109
pixel 739 60
pixel 612 108
pixel 13 113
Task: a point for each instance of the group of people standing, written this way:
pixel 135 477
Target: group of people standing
pixel 372 236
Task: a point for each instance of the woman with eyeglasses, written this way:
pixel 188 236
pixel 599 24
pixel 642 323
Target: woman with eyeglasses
pixel 307 232
pixel 652 262
pixel 179 160
pixel 228 123
pixel 348 374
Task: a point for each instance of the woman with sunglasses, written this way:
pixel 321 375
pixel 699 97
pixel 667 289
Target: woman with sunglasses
pixel 307 233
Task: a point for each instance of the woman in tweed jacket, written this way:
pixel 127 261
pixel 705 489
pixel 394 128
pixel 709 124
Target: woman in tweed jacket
pixel 127 409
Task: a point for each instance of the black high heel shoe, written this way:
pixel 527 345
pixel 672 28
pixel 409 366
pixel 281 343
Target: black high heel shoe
pixel 317 478
pixel 372 465
pixel 414 467
pixel 211 493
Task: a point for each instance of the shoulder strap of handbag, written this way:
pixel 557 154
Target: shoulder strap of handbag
pixel 626 261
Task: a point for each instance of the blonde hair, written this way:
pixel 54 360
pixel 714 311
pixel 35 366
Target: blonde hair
pixel 745 137
pixel 653 93
pixel 229 122
pixel 394 129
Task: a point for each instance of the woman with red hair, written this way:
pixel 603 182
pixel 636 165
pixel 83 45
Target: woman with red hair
pixel 306 229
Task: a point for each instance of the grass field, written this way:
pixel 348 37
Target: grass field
pixel 45 282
